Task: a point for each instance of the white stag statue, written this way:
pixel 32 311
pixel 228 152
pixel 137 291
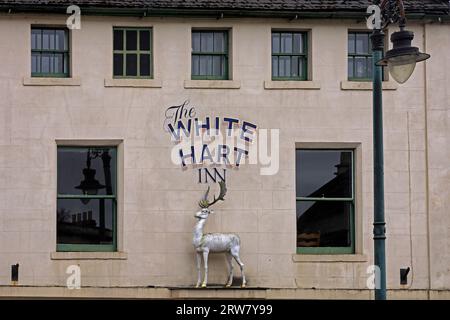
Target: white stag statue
pixel 227 243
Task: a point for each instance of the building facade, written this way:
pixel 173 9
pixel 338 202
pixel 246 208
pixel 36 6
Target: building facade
pixel 87 151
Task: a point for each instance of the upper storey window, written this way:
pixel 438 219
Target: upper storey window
pixel 132 53
pixel 289 56
pixel 210 55
pixel 50 54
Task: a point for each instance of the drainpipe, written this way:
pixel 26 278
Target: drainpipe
pixel 427 173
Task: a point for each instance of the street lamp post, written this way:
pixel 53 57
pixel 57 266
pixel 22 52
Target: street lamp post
pixel 379 224
pixel 401 61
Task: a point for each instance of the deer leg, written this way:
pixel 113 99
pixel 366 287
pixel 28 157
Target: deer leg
pixel 205 261
pixel 229 258
pixel 199 271
pixel 235 253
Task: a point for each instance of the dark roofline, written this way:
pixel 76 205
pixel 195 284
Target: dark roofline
pixel 214 13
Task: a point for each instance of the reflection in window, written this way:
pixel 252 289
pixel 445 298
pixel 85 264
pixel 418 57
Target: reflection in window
pixel 85 223
pixel 325 201
pixel 86 204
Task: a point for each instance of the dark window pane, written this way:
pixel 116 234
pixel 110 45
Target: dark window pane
pixel 35 62
pixel 295 61
pixel 131 64
pixel 285 66
pixel 118 64
pixel 286 42
pixel 369 67
pixel 351 43
pixel 217 66
pixel 118 40
pixel 60 40
pixel 47 63
pixel 275 43
pixel 195 65
pixel 75 180
pixel 219 42
pixel 302 67
pixel 205 65
pixel 36 39
pixel 360 67
pixel 144 40
pixel 196 41
pixel 350 67
pixel 324 224
pixel 274 66
pixel 145 65
pixel 362 43
pixel 48 39
pixel 58 60
pixel 131 36
pixel 86 221
pixel 207 42
pixel 298 43
pixel 66 63
pixel 324 173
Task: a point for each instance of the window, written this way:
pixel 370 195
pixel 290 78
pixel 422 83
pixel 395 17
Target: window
pixel 359 56
pixel 86 202
pixel 325 201
pixel 209 55
pixel 289 56
pixel 50 52
pixel 132 53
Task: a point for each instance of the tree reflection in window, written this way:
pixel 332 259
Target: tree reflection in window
pixel 325 201
pixel 86 204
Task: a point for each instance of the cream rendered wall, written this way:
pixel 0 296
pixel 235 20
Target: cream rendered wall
pixel 160 198
pixel 438 141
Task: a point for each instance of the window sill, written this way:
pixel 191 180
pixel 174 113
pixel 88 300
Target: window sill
pixel 133 83
pixel 38 81
pixel 367 85
pixel 290 85
pixel 212 84
pixel 88 256
pixel 329 258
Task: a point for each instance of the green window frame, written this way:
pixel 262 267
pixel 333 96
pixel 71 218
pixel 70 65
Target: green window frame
pixel 132 53
pixel 349 201
pixel 50 52
pixel 109 199
pixel 359 61
pixel 210 55
pixel 289 55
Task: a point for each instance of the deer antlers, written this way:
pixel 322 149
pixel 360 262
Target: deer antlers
pixel 204 203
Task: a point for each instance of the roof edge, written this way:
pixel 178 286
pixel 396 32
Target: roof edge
pixel 226 13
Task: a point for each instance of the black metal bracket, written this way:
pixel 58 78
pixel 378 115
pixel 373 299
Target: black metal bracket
pixel 404 275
